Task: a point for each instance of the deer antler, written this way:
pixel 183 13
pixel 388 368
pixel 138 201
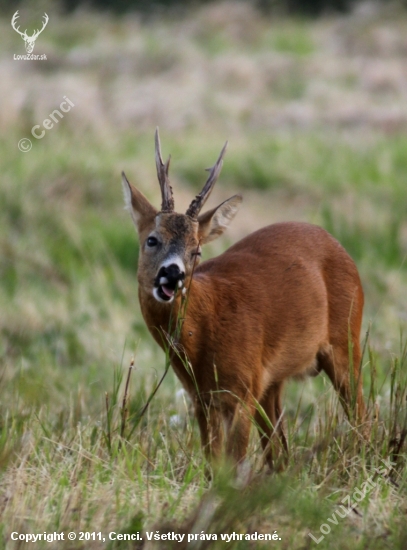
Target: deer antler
pixel 198 202
pixel 13 24
pixel 37 32
pixel 162 174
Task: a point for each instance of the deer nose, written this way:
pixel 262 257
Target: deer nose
pixel 170 275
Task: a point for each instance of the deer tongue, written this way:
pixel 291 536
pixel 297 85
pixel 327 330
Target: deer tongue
pixel 167 291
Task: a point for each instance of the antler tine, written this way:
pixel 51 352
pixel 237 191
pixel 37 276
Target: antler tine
pixel 13 24
pixel 162 174
pixel 198 202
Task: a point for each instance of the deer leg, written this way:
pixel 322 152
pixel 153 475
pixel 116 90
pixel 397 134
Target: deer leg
pixel 271 431
pixel 210 426
pixel 238 424
pixel 224 423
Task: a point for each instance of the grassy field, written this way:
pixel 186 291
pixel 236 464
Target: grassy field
pixel 316 117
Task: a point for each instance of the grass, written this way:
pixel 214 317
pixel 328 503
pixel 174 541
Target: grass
pixel 69 316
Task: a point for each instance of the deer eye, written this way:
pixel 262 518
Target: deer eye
pixel 152 241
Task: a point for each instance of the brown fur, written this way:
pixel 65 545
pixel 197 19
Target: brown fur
pixel 282 302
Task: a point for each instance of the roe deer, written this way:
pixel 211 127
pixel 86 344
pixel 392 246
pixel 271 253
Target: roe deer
pixel 284 301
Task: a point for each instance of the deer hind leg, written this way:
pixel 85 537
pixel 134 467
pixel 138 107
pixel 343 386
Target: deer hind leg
pixel 271 432
pixel 342 365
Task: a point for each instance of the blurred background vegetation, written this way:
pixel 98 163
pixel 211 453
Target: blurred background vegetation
pixel 315 111
pixel 309 7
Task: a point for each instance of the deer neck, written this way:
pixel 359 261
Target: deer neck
pixel 169 319
pixel 161 319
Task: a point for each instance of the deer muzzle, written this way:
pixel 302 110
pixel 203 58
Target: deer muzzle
pixel 169 278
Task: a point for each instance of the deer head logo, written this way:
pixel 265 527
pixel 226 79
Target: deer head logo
pixel 29 40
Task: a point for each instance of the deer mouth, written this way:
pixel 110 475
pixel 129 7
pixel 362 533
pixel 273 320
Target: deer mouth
pixel 165 292
pixel 168 280
pixel 166 289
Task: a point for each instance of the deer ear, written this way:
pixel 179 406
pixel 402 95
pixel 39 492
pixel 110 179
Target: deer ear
pixel 214 222
pixel 141 210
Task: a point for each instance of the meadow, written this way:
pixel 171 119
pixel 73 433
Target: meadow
pixel 316 117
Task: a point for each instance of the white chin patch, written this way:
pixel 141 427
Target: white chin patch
pixel 159 299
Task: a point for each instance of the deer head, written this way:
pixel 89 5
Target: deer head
pixel 170 243
pixel 29 40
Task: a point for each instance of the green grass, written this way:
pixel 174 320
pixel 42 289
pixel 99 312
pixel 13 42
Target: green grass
pixel 69 315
